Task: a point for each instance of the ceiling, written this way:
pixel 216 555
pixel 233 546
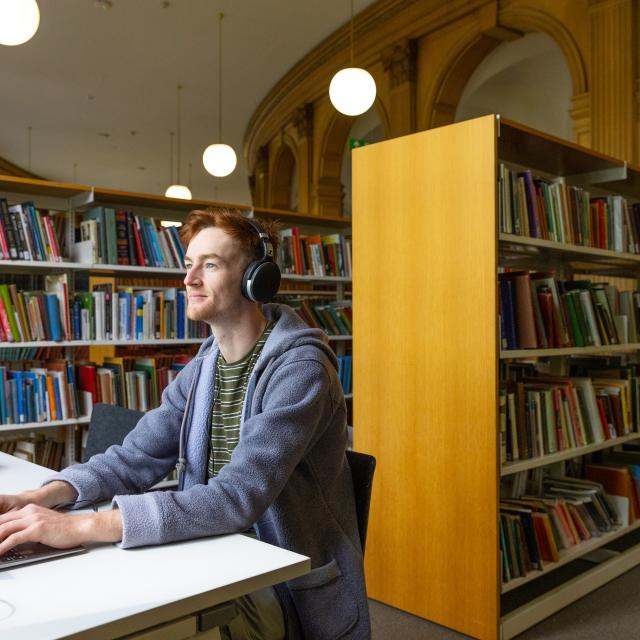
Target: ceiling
pixel 98 85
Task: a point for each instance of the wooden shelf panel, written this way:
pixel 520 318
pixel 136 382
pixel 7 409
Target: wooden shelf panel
pixel 99 343
pixel 307 292
pixel 569 351
pixel 152 272
pixel 298 278
pixel 86 196
pixel 614 258
pixel 539 151
pixel 14 184
pixel 531 463
pixel 30 426
pixel 295 217
pixel 38 266
pixel 132 199
pixel 516 621
pixel 567 555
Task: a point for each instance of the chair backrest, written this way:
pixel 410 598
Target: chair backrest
pixel 362 468
pixel 109 425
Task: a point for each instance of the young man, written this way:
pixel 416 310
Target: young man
pixel 257 424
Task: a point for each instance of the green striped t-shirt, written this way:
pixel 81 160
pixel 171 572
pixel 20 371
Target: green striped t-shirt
pixel 231 387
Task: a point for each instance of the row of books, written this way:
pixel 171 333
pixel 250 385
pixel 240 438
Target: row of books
pixel 538 208
pixel 12 355
pixel 27 233
pixel 122 237
pixel 105 313
pixel 535 529
pixel 39 394
pixel 344 373
pixel 45 451
pixel 131 382
pixel 539 311
pixel 546 414
pixel 131 313
pixel 314 255
pixel 335 318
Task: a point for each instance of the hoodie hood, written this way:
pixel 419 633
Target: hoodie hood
pixel 289 332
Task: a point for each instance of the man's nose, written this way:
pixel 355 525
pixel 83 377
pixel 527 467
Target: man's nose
pixel 192 276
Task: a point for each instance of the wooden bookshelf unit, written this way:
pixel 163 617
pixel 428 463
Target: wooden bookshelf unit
pixel 427 358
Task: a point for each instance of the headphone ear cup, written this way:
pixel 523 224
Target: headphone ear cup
pixel 261 281
pixel 247 278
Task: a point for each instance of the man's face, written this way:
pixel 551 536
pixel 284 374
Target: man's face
pixel 215 263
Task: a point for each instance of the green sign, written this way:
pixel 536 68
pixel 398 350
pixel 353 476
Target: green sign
pixel 354 143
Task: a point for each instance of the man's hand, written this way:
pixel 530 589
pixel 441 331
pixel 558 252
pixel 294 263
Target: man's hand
pixel 50 495
pixel 34 523
pixel 11 503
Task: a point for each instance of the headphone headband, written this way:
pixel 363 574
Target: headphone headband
pixel 265 243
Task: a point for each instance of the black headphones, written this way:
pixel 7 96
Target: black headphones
pixel 261 278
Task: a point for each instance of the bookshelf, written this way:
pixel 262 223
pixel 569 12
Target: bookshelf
pixel 428 356
pixel 73 201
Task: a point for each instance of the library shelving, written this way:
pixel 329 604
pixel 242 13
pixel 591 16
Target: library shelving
pixel 428 354
pixel 72 202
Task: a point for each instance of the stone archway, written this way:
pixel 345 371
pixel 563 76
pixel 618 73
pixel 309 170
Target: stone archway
pixel 328 192
pixel 281 175
pixel 465 58
pixel 530 19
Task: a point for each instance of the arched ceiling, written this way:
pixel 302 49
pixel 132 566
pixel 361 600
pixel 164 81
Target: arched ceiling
pixel 98 85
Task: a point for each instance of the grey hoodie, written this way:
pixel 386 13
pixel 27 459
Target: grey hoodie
pixel 288 475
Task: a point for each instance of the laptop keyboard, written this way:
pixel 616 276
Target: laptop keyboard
pixel 13 555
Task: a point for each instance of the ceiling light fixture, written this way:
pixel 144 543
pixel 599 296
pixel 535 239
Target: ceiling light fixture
pixel 177 190
pixel 19 21
pixel 219 159
pixel 352 90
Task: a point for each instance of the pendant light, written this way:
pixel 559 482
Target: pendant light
pixel 19 21
pixel 177 190
pixel 219 159
pixel 352 90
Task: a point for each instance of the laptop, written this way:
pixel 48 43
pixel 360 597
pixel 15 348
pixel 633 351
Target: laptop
pixel 31 552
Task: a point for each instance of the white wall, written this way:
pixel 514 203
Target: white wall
pixel 526 80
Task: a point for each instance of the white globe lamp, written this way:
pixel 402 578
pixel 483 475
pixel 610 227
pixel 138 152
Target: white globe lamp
pixel 219 160
pixel 178 191
pixel 352 91
pixel 19 20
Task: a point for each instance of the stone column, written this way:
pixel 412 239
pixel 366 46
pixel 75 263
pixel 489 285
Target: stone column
pixel 399 61
pixel 613 79
pixel 581 115
pixel 303 122
pixel 259 181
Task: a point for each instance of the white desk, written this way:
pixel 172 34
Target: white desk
pixel 109 592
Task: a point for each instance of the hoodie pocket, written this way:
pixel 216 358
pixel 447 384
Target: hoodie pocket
pixel 326 607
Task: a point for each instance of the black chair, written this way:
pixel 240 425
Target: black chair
pixel 362 467
pixel 109 425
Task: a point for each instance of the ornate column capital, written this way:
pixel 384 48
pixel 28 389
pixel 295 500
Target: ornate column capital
pixel 400 61
pixel 262 159
pixel 302 120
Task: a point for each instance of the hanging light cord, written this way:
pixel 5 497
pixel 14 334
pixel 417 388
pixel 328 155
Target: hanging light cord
pixel 351 34
pixel 29 148
pixel 178 142
pixel 220 16
pixel 171 158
